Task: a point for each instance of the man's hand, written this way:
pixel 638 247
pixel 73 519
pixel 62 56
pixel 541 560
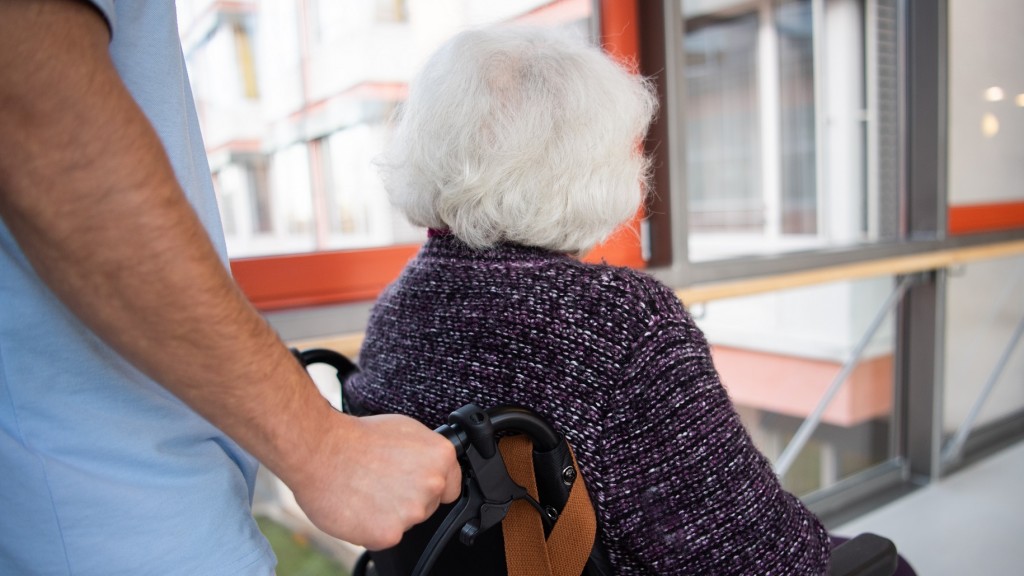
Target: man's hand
pixel 377 477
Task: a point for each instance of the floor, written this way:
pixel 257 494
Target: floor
pixel 969 523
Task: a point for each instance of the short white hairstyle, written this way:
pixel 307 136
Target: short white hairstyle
pixel 522 135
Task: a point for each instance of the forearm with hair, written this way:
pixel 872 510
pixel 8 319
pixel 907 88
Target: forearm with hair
pixel 89 194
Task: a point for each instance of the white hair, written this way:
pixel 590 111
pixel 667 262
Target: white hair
pixel 523 135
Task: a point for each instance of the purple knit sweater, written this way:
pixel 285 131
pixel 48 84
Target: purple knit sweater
pixel 612 359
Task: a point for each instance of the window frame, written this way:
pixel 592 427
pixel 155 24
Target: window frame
pixel 287 281
pixel 928 221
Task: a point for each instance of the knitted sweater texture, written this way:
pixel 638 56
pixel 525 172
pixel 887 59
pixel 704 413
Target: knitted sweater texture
pixel 614 361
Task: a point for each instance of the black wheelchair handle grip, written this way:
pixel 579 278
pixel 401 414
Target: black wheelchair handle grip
pixel 514 418
pixel 508 419
pixel 455 436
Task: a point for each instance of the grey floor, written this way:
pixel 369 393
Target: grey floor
pixel 969 523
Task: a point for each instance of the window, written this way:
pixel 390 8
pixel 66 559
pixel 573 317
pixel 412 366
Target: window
pixel 785 106
pixel 779 353
pixel 780 149
pixel 294 99
pixel 723 131
pixel 804 139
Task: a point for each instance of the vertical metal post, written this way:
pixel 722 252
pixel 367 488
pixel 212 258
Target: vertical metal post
pixel 926 117
pixel 921 339
pixel 922 316
pixel 769 106
pixel 661 58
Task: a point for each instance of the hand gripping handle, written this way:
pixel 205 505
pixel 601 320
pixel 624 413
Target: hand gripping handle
pixel 488 491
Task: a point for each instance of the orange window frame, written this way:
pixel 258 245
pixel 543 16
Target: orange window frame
pixel 331 277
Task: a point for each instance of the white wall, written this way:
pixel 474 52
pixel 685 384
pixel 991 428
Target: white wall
pixel 986 45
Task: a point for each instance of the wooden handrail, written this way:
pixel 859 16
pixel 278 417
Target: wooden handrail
pixel 348 344
pixel 881 267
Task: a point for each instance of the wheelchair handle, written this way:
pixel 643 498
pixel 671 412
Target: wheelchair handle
pixel 472 425
pixel 339 362
pixel 488 490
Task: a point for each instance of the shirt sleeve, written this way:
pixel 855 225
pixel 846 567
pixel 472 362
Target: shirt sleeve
pixel 687 492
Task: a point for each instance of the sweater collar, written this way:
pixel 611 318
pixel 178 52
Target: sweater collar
pixel 446 244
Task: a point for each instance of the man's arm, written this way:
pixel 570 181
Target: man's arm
pixel 89 194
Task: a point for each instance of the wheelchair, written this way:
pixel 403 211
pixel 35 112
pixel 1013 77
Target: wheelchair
pixel 537 486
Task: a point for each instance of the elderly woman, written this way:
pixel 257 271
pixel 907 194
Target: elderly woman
pixel 518 149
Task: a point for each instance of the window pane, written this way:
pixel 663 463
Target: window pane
pixel 290 201
pixel 723 165
pixel 797 117
pixel 986 103
pixel 779 353
pixel 294 100
pixel 984 308
pixel 980 330
pixel 357 208
pixel 787 113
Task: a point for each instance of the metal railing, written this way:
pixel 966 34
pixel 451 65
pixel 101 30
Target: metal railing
pixel 810 424
pixel 906 268
pixel 952 453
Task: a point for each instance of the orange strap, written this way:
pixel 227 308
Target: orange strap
pixel 565 551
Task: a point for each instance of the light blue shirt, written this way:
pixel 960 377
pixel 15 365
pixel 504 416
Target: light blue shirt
pixel 102 471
